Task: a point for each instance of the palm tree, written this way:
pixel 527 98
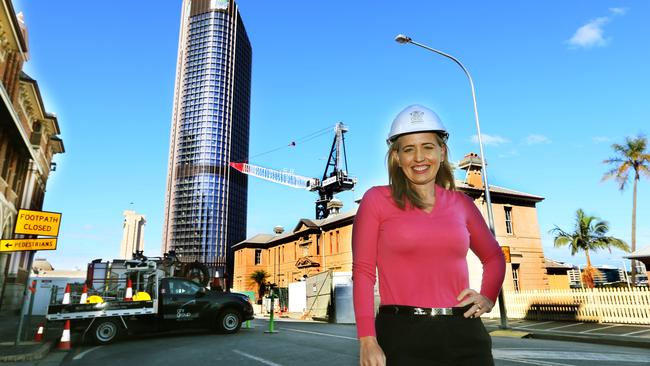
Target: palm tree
pixel 630 156
pixel 259 277
pixel 589 235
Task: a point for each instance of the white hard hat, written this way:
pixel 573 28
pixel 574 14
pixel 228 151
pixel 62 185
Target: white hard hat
pixel 416 118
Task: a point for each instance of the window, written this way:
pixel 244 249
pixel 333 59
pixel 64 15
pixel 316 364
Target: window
pixel 331 240
pixel 258 256
pixel 338 238
pixel 515 276
pixel 508 212
pixel 182 287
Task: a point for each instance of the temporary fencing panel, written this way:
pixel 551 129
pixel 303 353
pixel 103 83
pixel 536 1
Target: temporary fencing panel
pixel 343 303
pixel 298 297
pixel 319 295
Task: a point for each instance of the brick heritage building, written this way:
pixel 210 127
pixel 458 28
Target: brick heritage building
pixel 28 142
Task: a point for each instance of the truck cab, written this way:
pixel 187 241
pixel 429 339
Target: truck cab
pixel 184 303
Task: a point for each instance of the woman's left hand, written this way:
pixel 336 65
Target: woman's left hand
pixel 481 304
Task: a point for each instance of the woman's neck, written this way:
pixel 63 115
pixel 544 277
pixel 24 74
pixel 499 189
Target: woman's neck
pixel 427 192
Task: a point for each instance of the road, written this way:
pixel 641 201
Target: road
pixel 315 344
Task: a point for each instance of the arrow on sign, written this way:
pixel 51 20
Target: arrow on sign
pixel 12 245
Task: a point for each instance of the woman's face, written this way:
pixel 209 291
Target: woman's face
pixel 419 155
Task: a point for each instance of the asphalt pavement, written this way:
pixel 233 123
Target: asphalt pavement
pixel 30 353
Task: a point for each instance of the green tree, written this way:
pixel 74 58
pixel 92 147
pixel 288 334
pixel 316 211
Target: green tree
pixel 630 157
pixel 589 234
pixel 259 277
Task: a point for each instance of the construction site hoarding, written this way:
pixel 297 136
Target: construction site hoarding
pixel 343 302
pixel 319 295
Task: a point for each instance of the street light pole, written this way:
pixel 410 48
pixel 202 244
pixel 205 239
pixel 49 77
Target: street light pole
pixel 402 39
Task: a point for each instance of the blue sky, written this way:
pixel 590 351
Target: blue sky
pixel 557 83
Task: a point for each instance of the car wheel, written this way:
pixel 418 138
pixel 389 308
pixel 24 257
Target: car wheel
pixel 229 321
pixel 106 331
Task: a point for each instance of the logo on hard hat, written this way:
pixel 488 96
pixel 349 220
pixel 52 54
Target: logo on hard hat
pixel 416 117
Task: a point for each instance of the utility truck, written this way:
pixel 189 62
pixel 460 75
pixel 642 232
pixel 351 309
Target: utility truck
pixel 156 301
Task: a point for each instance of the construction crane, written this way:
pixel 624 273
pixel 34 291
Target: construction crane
pixel 334 180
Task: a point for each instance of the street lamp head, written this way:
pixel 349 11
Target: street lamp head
pixel 402 39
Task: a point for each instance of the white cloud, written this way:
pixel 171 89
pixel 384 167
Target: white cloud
pixel 618 11
pixel 490 139
pixel 599 139
pixel 537 139
pixel 590 34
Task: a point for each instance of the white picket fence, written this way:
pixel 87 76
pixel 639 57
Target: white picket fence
pixel 608 305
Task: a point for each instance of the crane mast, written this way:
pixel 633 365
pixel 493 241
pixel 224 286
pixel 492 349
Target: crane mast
pixel 334 180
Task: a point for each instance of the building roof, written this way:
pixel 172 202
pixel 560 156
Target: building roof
pixel 550 263
pixel 261 238
pixel 16 24
pixel 52 117
pixel 498 190
pixel 60 273
pixel 41 264
pixel 641 253
pixel 271 240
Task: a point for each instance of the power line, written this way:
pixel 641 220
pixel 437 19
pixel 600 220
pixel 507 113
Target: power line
pixel 301 140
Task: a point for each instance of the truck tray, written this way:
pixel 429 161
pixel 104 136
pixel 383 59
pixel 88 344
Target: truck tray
pixel 113 308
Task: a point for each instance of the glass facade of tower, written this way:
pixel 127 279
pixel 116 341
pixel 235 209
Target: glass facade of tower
pixel 206 200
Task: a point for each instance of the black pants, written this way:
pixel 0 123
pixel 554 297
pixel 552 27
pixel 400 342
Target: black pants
pixel 433 340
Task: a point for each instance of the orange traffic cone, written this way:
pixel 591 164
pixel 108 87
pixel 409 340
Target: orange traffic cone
pixel 39 333
pixel 64 344
pixel 84 295
pixel 129 291
pixel 66 296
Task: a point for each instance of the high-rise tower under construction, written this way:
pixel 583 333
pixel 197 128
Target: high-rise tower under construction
pixel 205 207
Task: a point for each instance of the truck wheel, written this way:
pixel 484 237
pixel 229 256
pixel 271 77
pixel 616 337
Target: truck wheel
pixel 229 321
pixel 106 331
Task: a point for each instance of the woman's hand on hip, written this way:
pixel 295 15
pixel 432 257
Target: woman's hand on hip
pixel 480 303
pixel 370 352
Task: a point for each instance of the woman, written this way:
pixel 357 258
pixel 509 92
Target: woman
pixel 416 233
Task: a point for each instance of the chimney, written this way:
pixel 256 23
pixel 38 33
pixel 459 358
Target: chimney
pixel 278 230
pixel 334 206
pixel 472 166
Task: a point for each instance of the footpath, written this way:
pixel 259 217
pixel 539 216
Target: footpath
pixel 628 335
pixel 28 351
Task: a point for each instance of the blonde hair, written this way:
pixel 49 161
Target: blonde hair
pixel 400 185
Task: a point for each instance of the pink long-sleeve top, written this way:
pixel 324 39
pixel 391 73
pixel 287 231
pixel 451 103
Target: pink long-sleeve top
pixel 420 256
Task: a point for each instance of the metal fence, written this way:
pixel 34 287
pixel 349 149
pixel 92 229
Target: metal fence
pixel 602 305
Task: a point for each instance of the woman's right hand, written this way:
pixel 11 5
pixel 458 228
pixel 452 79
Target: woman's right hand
pixel 370 352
